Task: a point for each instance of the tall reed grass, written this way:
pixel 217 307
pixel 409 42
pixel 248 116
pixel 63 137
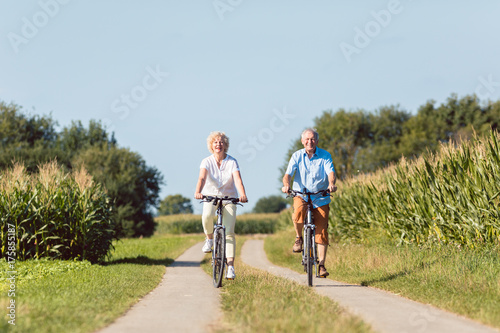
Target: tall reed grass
pixel 451 197
pixel 54 214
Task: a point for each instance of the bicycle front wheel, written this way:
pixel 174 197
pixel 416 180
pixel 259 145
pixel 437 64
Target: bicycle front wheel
pixel 308 249
pixel 219 256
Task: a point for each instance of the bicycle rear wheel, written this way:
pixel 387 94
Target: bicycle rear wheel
pixel 309 256
pixel 219 256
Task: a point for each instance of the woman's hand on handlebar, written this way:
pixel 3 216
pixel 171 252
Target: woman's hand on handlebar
pixel 198 196
pixel 243 198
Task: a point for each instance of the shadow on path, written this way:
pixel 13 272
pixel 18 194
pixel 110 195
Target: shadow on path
pixel 140 260
pixel 404 272
pixel 339 286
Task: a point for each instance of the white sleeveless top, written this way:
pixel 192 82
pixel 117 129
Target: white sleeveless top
pixel 220 181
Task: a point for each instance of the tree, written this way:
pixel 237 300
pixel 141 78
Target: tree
pixel 362 141
pixel 270 204
pixel 76 138
pixel 382 146
pixel 175 204
pixel 132 185
pixel 342 134
pixel 30 139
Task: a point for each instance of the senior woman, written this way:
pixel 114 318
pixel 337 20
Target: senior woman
pixel 220 176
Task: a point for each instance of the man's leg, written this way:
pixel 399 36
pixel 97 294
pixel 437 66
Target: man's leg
pixel 299 211
pixel 321 221
pixel 322 253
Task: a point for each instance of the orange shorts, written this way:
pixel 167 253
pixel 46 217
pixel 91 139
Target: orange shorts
pixel 320 218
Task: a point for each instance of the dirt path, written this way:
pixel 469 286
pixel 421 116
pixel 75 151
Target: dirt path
pixel 386 312
pixel 185 301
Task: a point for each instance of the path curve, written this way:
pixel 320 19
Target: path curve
pixel 386 312
pixel 184 301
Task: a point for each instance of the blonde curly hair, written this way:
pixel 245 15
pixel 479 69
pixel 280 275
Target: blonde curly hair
pixel 214 135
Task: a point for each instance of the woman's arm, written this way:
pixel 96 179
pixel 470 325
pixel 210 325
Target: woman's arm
pixel 239 186
pixel 202 178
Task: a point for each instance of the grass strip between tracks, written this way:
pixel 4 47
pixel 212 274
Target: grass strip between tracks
pixel 257 301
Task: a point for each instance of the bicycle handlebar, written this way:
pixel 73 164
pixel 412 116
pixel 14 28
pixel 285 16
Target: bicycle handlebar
pixel 209 198
pixel 293 193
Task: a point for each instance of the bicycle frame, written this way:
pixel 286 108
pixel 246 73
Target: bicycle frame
pixel 309 251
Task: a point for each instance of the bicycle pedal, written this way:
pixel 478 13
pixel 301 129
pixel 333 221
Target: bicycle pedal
pixel 229 279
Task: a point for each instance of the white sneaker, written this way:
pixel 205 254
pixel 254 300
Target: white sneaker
pixel 207 247
pixel 230 273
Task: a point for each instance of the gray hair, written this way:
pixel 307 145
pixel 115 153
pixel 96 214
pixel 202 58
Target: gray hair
pixel 310 130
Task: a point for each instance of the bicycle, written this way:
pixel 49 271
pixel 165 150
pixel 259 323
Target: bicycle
pixel 309 250
pixel 219 260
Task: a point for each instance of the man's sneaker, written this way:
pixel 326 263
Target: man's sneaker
pixel 322 271
pixel 230 273
pixel 207 247
pixel 297 247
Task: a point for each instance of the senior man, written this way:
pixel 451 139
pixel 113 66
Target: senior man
pixel 313 170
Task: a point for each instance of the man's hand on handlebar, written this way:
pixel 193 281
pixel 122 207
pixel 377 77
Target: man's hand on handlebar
pixel 332 188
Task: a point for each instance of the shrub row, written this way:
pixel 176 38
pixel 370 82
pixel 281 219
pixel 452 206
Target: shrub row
pixel 245 224
pixel 54 214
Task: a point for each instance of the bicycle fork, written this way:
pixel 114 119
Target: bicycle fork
pixel 217 234
pixel 311 244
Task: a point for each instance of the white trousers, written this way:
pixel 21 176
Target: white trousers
pixel 228 220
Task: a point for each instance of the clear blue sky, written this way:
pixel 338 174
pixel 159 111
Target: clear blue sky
pixel 163 74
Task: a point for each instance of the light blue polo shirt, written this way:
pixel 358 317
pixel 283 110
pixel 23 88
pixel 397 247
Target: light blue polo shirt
pixel 312 173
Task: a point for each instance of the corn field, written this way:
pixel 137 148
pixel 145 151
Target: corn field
pixel 451 197
pixel 54 214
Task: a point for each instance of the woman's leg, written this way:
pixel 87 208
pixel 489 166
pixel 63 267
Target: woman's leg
pixel 229 220
pixel 207 219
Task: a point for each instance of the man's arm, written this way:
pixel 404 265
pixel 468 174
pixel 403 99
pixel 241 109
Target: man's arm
pixel 286 183
pixel 332 179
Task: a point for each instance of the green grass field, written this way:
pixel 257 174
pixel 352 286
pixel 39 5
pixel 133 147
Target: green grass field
pixel 72 296
pixel 62 296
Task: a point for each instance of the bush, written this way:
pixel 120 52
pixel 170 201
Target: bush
pixel 245 224
pixel 53 214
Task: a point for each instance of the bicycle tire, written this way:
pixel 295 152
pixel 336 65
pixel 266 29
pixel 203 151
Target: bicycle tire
pixel 219 257
pixel 309 258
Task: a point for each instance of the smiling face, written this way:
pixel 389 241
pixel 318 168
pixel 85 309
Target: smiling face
pixel 218 145
pixel 217 142
pixel 309 142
